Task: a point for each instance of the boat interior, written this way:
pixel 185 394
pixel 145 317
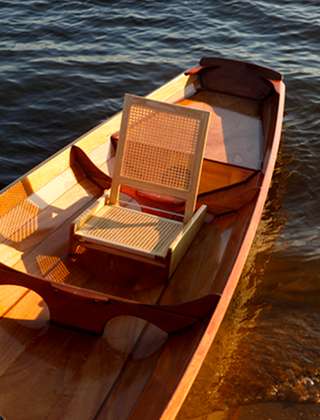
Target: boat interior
pixel 72 374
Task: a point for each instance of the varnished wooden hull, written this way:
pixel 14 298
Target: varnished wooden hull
pixel 133 370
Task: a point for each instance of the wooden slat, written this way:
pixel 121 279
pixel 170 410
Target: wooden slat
pixel 131 230
pixel 46 367
pixel 9 296
pixel 73 393
pixel 79 401
pixel 200 262
pixel 18 328
pixel 16 245
pixel 72 371
pixel 13 195
pixel 176 89
pixel 19 215
pixel 20 257
pixel 70 375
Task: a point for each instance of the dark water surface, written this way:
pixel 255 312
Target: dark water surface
pixel 65 66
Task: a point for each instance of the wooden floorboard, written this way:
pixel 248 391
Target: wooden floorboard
pixel 193 278
pixel 24 314
pixel 20 250
pixel 91 376
pixel 73 386
pixel 61 373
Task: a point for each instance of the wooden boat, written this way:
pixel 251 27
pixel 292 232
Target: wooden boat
pixel 132 369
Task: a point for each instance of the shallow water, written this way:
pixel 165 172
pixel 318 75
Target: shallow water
pixel 65 66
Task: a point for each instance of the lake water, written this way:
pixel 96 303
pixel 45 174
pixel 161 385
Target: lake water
pixel 65 66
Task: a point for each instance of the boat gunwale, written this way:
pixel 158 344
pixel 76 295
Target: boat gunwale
pixel 202 347
pixel 207 338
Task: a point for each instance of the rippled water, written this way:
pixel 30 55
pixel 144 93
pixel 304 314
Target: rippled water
pixel 65 66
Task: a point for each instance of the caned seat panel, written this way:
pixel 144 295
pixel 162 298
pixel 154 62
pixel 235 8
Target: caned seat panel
pixel 160 149
pixel 130 229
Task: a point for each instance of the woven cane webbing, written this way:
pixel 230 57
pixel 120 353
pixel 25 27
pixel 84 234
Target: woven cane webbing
pixel 123 227
pixel 160 145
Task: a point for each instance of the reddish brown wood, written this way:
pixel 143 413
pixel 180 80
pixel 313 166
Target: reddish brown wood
pixel 83 167
pixel 232 197
pixel 228 197
pixel 265 72
pixel 90 379
pixel 252 213
pixel 194 70
pixel 90 310
pixel 115 138
pixel 235 77
pixel 269 121
pixel 206 62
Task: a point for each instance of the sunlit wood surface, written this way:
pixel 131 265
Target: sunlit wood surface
pixel 134 369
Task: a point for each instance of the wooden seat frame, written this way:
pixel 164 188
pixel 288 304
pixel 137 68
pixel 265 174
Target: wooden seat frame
pixel 143 122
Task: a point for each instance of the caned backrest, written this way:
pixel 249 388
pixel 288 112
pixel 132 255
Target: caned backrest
pixel 160 149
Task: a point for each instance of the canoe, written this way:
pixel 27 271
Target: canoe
pixel 96 338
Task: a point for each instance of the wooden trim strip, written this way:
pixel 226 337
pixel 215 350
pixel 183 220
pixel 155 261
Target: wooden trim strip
pixel 83 167
pixel 209 334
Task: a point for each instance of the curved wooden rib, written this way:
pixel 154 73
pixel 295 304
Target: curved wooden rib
pixel 89 310
pixel 232 197
pixel 83 167
pixel 219 200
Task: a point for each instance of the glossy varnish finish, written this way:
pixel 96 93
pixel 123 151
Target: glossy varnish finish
pixel 134 370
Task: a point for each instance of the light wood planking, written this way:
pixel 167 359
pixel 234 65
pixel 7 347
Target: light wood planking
pixel 16 245
pixel 71 375
pixel 192 279
pixel 23 258
pixel 80 392
pixel 81 401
